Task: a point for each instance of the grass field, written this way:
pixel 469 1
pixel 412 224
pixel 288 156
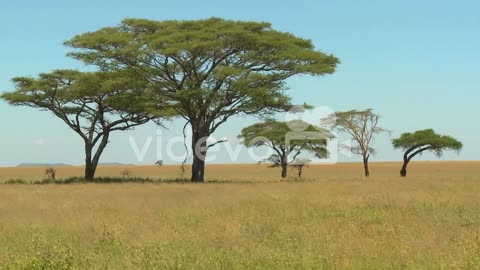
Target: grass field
pixel 262 173
pixel 334 219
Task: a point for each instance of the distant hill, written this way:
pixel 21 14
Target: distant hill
pixel 43 165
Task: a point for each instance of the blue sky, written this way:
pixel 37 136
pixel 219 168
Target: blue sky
pixel 415 62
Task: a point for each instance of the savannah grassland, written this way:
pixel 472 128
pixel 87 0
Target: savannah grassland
pixel 245 218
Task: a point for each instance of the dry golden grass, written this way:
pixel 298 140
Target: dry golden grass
pixel 430 220
pixel 249 172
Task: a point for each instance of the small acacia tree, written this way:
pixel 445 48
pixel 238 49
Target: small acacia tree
pixel 423 140
pixel 276 135
pixel 362 126
pixel 299 164
pixel 207 70
pixel 92 104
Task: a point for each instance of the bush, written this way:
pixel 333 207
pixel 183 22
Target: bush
pixel 16 181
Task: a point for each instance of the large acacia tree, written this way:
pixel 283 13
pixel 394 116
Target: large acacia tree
pixel 362 126
pixel 92 104
pixel 207 70
pixel 423 140
pixel 287 145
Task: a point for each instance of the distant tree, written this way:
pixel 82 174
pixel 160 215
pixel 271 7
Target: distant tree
pixel 125 173
pixel 275 135
pixel 51 173
pixel 92 104
pixel 362 126
pixel 299 163
pixel 424 140
pixel 207 70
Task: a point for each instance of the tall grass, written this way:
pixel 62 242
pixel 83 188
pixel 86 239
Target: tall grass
pixel 418 223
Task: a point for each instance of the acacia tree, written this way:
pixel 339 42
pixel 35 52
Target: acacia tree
pixel 207 70
pixel 286 144
pixel 299 164
pixel 423 140
pixel 362 126
pixel 92 104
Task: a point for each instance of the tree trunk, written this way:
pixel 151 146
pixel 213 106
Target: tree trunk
pixel 198 169
pixel 199 149
pixel 89 172
pixel 365 166
pixel 300 169
pixel 403 171
pixel 89 168
pixel 91 163
pixel 284 170
pixel 406 157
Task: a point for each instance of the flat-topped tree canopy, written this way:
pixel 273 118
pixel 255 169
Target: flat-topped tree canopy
pixel 93 104
pixel 214 67
pixel 287 148
pixel 277 134
pixel 424 140
pixel 435 142
pixel 117 92
pixel 207 70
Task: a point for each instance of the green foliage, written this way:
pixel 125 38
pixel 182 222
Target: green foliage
pixel 235 46
pixel 435 142
pixel 206 70
pixel 92 104
pixel 423 140
pixel 214 66
pixel 69 93
pixel 276 135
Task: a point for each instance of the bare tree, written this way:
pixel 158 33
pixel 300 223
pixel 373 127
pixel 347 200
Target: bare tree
pixel 362 126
